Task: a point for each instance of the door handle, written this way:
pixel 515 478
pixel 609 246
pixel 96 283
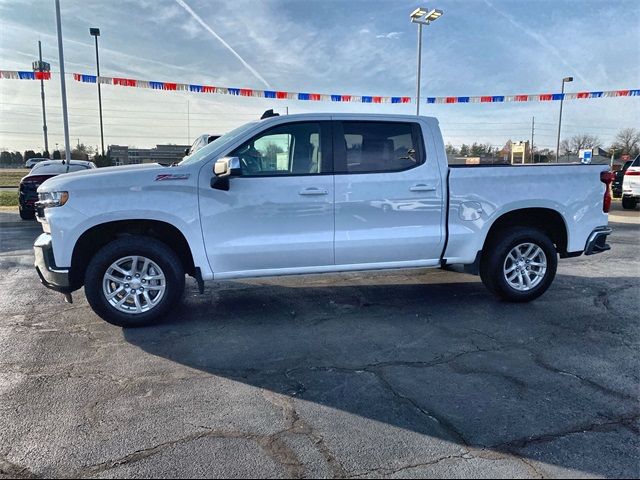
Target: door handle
pixel 421 187
pixel 313 191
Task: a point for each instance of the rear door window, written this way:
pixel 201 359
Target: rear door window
pixel 375 147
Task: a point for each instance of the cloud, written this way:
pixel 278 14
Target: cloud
pixel 390 35
pixel 364 30
pixel 197 18
pixel 542 41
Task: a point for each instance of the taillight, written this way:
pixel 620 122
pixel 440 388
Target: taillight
pixel 606 178
pixel 634 172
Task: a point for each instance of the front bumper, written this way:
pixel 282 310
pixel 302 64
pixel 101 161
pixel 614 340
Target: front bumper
pixel 50 275
pixel 597 241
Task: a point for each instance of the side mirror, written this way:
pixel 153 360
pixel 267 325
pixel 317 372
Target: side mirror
pixel 224 169
pixel 227 167
pixel 186 151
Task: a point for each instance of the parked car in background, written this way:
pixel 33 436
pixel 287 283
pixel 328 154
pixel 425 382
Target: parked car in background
pixel 33 161
pixel 616 185
pixel 201 141
pixel 631 185
pixel 306 194
pixel 41 171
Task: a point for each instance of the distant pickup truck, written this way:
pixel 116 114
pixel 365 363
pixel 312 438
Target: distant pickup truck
pixel 309 194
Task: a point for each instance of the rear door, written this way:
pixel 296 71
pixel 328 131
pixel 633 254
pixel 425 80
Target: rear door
pixel 389 195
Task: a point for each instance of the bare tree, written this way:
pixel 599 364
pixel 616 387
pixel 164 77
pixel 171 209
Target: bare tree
pixel 627 141
pixel 576 143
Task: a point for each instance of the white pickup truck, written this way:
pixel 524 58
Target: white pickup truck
pixel 309 194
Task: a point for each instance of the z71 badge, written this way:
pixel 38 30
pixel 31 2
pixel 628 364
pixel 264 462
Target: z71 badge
pixel 172 176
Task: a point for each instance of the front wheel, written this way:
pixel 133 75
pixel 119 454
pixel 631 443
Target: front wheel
pixel 519 265
pixel 134 281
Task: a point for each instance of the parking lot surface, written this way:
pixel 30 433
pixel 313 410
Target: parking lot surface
pixel 397 374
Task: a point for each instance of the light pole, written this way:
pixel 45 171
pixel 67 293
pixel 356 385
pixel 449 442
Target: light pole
pixel 564 80
pixel 95 32
pixel 63 88
pixel 41 67
pixel 422 16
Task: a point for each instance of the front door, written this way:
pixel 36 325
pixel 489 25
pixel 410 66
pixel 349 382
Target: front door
pixel 277 217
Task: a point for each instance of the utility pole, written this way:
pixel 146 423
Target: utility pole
pixel 42 67
pixel 533 126
pixel 63 87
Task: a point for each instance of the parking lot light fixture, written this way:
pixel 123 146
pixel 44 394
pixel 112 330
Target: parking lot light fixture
pixel 422 16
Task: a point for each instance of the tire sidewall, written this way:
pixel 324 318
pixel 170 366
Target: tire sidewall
pixel 511 239
pixel 153 249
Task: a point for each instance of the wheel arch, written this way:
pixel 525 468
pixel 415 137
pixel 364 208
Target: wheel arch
pixel 101 234
pixel 548 220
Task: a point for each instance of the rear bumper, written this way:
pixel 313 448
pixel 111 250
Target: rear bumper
pixel 596 242
pixel 50 275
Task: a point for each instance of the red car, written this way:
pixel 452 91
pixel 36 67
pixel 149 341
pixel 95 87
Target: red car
pixel 40 172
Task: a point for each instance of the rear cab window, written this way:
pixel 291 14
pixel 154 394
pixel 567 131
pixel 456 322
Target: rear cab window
pixel 376 147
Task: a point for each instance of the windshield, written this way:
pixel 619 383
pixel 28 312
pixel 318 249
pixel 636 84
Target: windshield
pixel 205 151
pixel 49 168
pixel 636 162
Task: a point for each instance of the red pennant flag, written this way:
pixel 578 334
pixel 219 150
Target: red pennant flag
pixel 377 99
pixel 522 98
pixel 583 94
pixel 170 86
pixel 451 100
pixel 246 92
pixel 486 99
pixel 346 98
pixel 623 93
pixel 546 96
pixel 208 89
pixel 314 96
pixel 406 99
pixel 281 95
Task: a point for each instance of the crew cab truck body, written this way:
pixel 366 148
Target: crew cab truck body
pixel 307 194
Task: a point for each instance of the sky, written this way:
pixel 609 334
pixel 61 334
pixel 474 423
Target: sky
pixel 478 47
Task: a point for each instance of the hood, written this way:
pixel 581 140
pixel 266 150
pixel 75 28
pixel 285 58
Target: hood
pixel 125 175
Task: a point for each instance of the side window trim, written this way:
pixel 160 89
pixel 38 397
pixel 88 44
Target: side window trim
pixel 340 154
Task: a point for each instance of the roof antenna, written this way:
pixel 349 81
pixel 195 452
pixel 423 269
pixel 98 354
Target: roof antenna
pixel 268 114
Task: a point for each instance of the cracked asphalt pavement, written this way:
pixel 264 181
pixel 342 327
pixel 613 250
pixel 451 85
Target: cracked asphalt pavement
pixel 397 374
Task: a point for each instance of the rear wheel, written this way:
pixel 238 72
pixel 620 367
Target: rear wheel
pixel 519 264
pixel 134 281
pixel 629 203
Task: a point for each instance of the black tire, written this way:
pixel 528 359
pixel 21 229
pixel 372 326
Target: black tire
pixel 148 247
pixel 26 215
pixel 493 262
pixel 629 203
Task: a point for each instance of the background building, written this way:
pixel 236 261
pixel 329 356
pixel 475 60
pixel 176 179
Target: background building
pixel 125 155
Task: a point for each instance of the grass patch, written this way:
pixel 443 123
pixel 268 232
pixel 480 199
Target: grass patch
pixel 10 177
pixel 9 199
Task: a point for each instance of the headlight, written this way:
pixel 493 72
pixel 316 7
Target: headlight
pixel 52 199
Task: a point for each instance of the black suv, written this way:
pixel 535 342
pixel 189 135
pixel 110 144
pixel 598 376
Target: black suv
pixel 616 185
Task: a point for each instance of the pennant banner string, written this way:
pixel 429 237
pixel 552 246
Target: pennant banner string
pixel 308 96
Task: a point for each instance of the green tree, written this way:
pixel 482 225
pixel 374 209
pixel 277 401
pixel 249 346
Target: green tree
pixel 464 150
pixel 451 150
pixel 29 154
pixel 56 155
